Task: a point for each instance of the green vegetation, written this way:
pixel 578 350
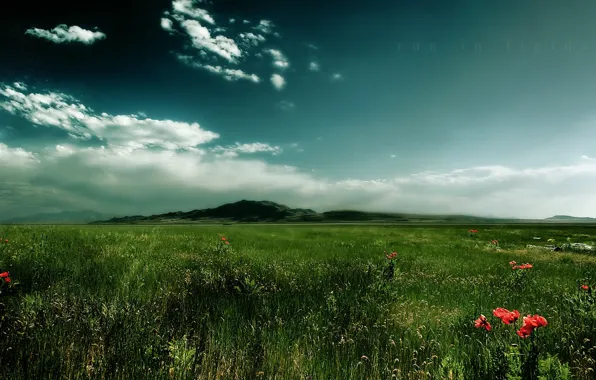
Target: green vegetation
pixel 293 302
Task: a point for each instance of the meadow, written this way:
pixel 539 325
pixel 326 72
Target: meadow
pixel 294 302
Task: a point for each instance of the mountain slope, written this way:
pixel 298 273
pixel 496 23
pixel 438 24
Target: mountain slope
pixel 242 211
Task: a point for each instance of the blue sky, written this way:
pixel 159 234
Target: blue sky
pixel 484 108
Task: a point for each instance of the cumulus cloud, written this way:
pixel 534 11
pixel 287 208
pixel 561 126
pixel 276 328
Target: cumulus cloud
pixel 62 33
pixel 251 40
pixel 118 180
pixel 166 24
pixel 211 47
pixel 201 39
pixel 337 77
pixel 228 74
pixel 234 150
pixel 278 81
pixel 146 166
pixel 187 8
pixel 279 59
pixel 314 66
pixel 265 26
pixel 58 110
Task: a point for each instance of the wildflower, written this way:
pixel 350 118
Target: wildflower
pixel 481 322
pixel 390 256
pixel 494 242
pixel 472 231
pixel 364 357
pixel 531 323
pixel 505 315
pixel 227 242
pixel 5 276
pixel 512 263
pixel 523 266
pixel 223 238
pixel 585 287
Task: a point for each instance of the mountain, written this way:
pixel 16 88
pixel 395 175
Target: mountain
pixel 65 217
pixel 567 218
pixel 242 211
pixel 265 211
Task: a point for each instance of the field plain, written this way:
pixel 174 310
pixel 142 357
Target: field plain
pixel 291 302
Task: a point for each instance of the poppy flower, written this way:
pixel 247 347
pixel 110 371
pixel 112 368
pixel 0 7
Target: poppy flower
pixel 472 231
pixel 530 323
pixel 585 287
pixel 391 256
pixel 482 322
pixel 4 274
pixel 512 263
pixel 223 239
pixel 505 315
pixel 227 242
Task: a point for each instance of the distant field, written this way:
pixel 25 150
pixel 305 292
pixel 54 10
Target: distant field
pixel 293 301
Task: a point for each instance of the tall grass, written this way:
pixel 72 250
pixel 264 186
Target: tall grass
pixel 291 302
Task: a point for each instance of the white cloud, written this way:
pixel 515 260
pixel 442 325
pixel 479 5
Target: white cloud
pixel 314 66
pixel 238 148
pixel 279 59
pixel 265 26
pixel 251 39
pixel 392 156
pixel 166 24
pixel 116 179
pixel 337 77
pixel 313 47
pixel 186 7
pixel 232 21
pixel 228 74
pixel 286 105
pixel 278 81
pixel 201 39
pixel 245 22
pixel 20 86
pixel 53 109
pixel 62 33
pixel 584 157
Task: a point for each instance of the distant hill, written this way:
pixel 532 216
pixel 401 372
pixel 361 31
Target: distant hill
pixel 567 218
pixel 242 211
pixel 65 217
pixel 246 211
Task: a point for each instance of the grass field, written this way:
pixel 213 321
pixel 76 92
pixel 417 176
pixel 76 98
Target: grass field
pixel 291 302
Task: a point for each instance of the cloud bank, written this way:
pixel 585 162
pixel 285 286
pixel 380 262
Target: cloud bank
pixel 128 164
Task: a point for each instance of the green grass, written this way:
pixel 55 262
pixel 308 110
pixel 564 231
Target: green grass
pixel 291 302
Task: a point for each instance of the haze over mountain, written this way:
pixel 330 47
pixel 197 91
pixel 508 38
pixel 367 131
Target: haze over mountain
pixel 437 107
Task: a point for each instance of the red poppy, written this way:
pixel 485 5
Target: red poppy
pixel 530 323
pixel 472 231
pixel 585 287
pixel 512 263
pixel 7 279
pixel 391 256
pixel 505 315
pixel 227 242
pixel 523 266
pixel 223 239
pixel 4 274
pixel 482 322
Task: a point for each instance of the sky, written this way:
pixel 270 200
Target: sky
pixel 470 107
